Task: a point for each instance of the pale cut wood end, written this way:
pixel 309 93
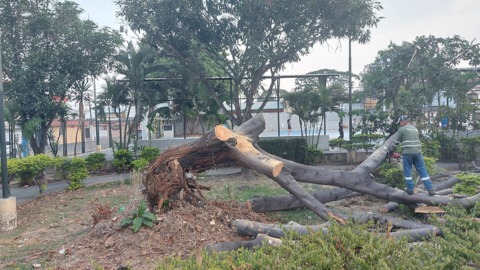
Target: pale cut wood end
pixel 222 133
pixel 277 169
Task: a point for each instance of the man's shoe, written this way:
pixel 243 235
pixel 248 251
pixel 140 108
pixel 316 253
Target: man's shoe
pixel 409 192
pixel 431 192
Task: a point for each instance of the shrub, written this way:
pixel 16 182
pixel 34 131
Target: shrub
pixel 312 154
pixel 470 184
pixel 337 143
pixel 123 159
pixel 449 150
pixel 95 161
pixel 392 174
pixel 149 153
pixel 77 171
pixel 366 141
pixel 430 148
pixel 470 147
pixel 139 164
pixel 30 169
pixel 72 170
pixel 291 149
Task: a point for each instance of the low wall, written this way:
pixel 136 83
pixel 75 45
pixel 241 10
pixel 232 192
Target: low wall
pixel 167 142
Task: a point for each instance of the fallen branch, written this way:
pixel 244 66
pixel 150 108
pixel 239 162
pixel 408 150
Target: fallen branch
pixel 278 203
pixel 260 241
pixel 389 207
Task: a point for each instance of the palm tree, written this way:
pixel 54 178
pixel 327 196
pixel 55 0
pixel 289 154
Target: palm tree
pixel 134 67
pixel 115 94
pixel 80 89
pixel 304 103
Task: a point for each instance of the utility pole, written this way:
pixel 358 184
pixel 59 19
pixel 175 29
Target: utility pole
pixel 350 128
pixel 3 148
pixel 8 204
pixel 97 131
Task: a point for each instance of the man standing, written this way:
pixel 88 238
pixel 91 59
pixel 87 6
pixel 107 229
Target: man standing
pixel 340 128
pixel 289 126
pixel 411 154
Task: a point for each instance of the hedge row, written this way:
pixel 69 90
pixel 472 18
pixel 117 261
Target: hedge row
pixel 291 149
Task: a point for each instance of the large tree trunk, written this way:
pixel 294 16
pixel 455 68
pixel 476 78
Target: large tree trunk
pixel 171 174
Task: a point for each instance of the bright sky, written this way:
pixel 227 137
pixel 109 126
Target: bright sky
pixel 404 20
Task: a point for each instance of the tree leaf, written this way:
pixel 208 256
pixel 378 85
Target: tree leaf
pixel 137 223
pixel 149 216
pixel 126 221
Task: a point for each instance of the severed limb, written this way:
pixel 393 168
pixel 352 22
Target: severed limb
pixel 277 203
pixel 260 241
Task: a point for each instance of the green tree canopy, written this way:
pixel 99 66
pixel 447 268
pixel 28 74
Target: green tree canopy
pixel 414 74
pixel 245 39
pixel 46 47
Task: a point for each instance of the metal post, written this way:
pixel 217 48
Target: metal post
pixel 278 105
pixel 64 135
pixel 97 131
pixel 231 101
pixel 3 149
pixel 350 128
pixel 184 115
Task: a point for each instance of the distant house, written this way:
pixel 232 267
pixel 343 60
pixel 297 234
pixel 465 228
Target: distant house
pixel 71 131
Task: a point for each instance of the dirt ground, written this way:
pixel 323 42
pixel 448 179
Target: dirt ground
pixel 58 231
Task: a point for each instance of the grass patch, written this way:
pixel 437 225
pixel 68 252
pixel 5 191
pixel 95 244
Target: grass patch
pixel 105 185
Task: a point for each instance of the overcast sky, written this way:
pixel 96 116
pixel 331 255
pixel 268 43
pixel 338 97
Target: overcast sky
pixel 404 21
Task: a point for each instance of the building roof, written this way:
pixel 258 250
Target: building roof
pixel 57 123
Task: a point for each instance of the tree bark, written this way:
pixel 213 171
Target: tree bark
pixel 278 203
pixel 389 207
pixel 260 241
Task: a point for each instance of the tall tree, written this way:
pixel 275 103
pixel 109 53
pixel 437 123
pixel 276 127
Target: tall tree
pixel 115 94
pixel 46 48
pixel 245 38
pixel 80 95
pixel 425 68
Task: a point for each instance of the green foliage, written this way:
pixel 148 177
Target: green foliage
pixel 210 46
pixel 449 147
pixel 37 56
pixel 430 165
pixel 392 174
pixel 470 148
pixel 122 159
pixel 470 184
pixel 31 167
pixel 337 143
pixel 72 170
pixel 77 171
pixel 366 141
pixel 139 164
pixel 344 247
pixel 459 244
pixel 139 218
pixel 357 246
pixel 431 148
pixel 312 154
pixel 292 149
pixel 149 153
pixel 95 161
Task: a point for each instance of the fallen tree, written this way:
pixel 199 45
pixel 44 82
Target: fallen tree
pixel 171 175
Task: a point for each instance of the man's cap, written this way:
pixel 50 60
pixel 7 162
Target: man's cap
pixel 401 118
